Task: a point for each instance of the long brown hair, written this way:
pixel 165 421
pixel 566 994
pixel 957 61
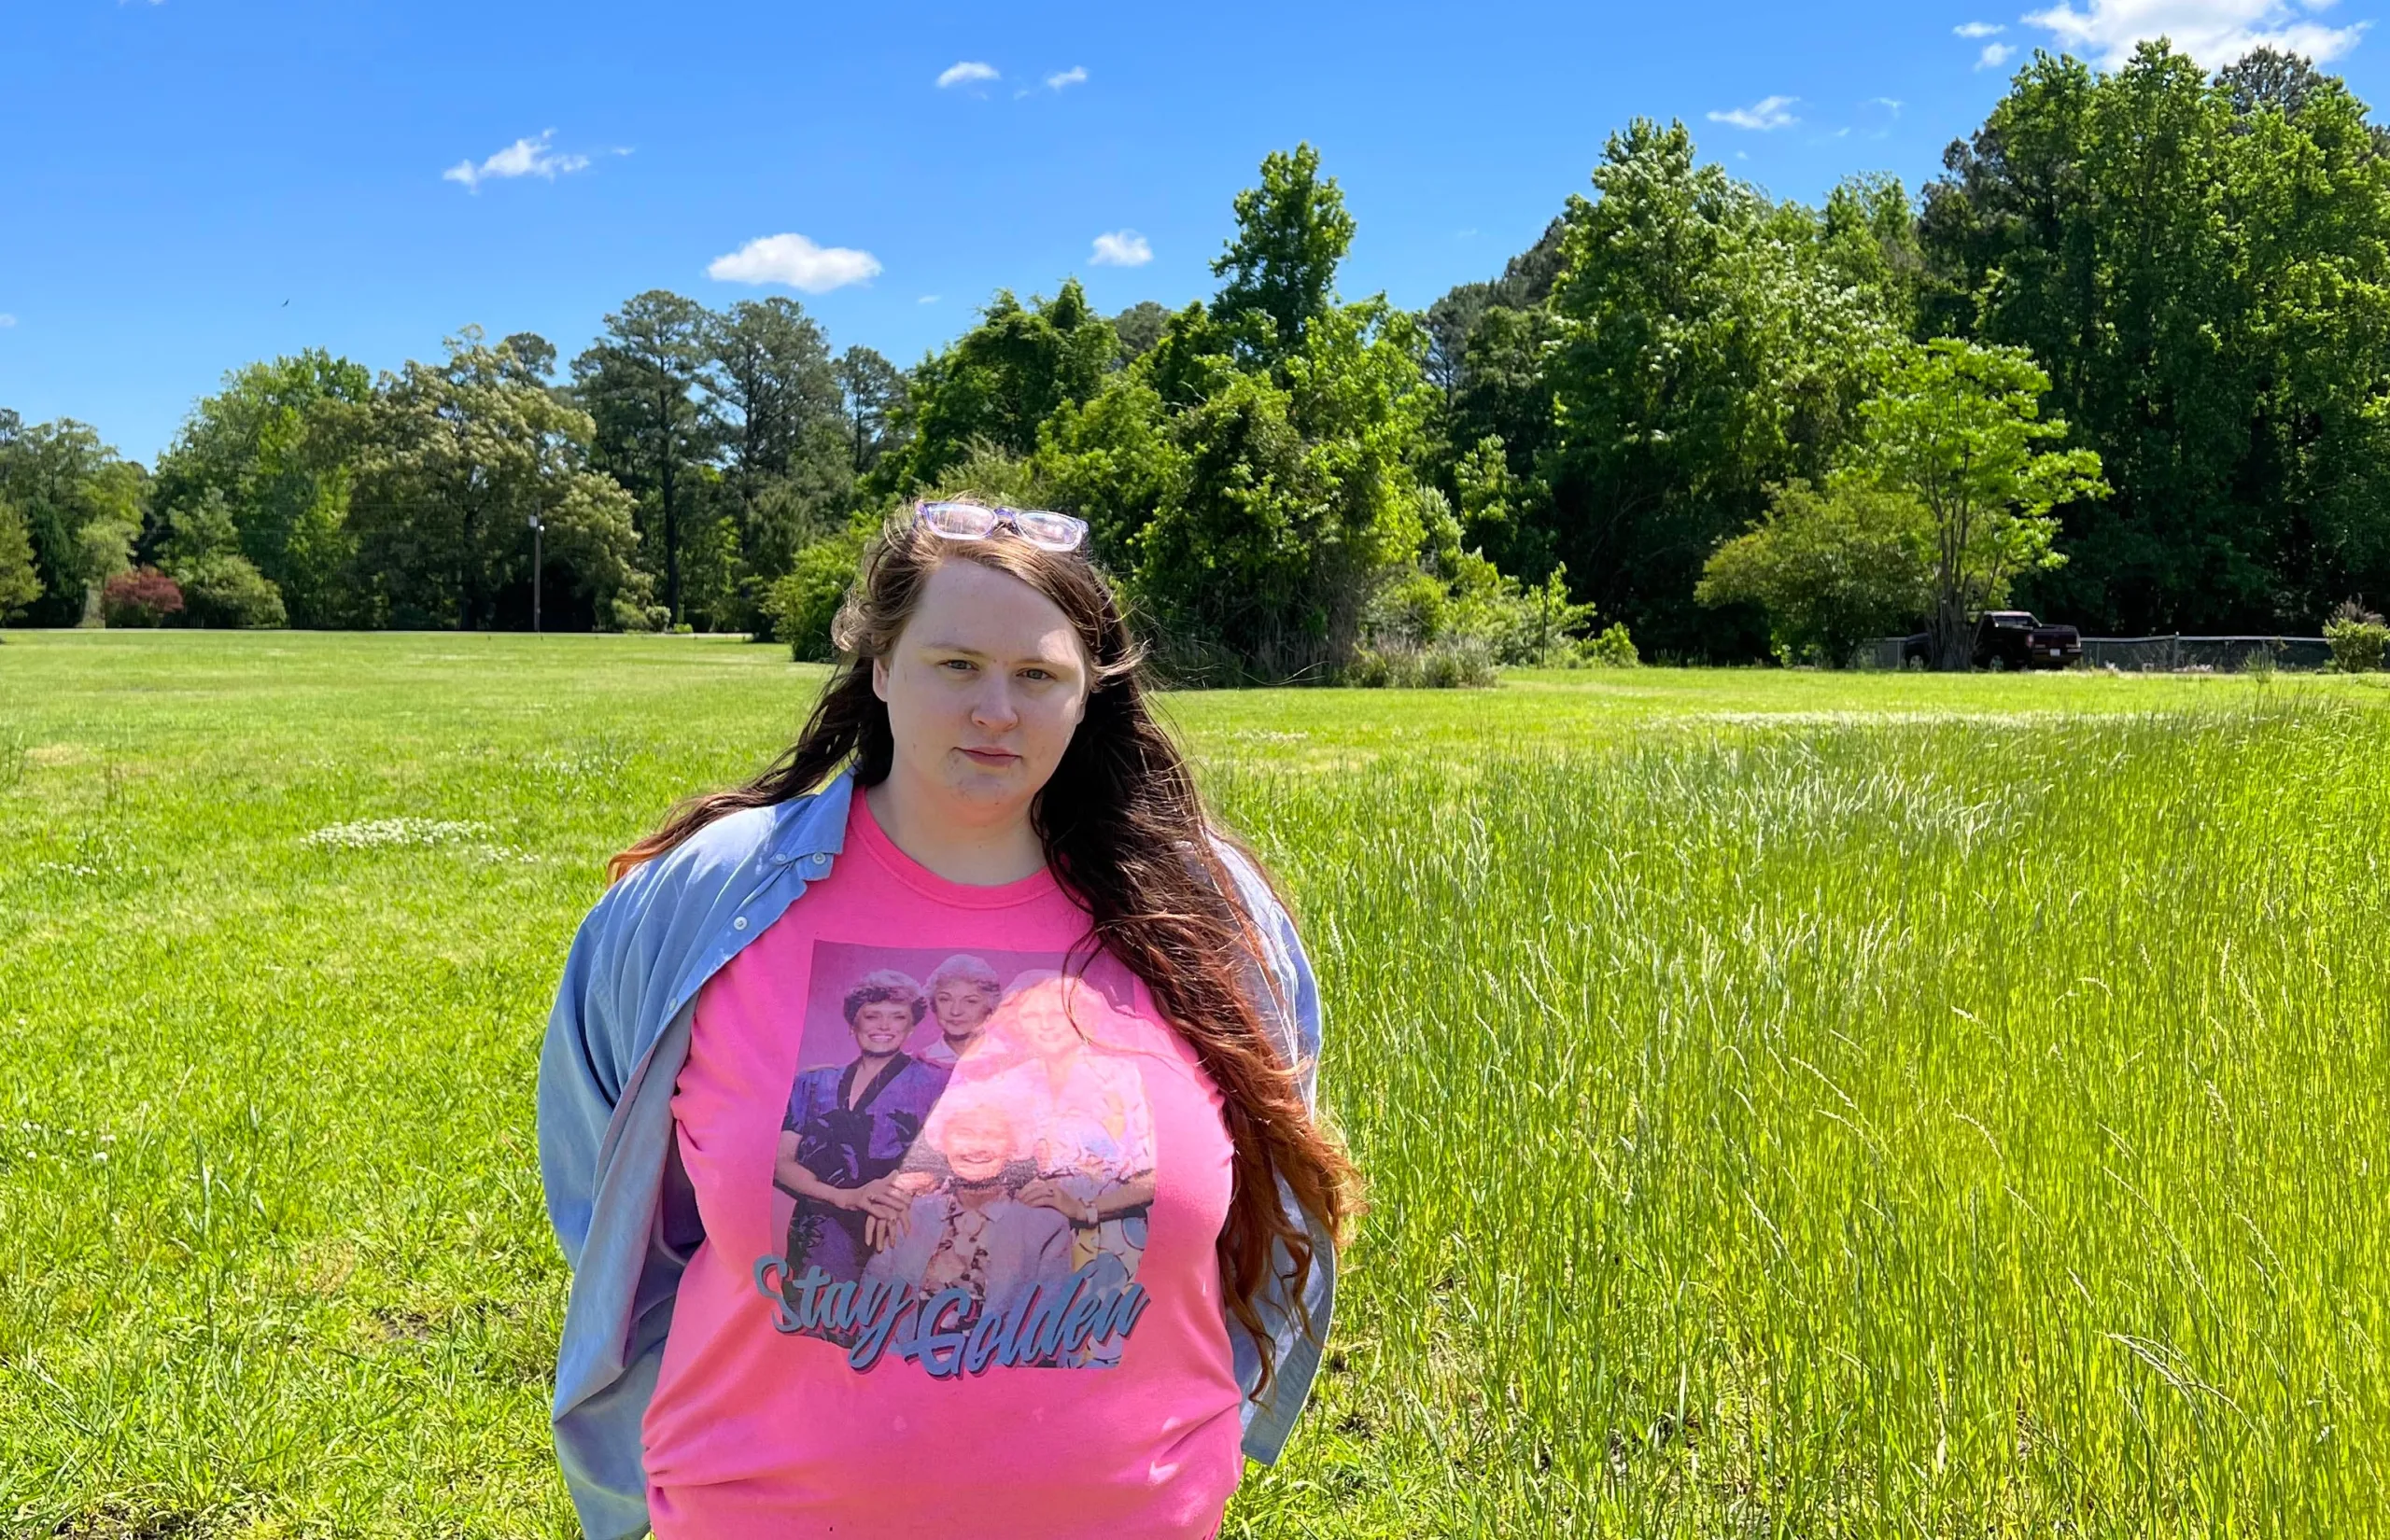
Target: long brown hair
pixel 1128 838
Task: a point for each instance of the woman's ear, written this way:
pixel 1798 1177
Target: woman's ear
pixel 880 677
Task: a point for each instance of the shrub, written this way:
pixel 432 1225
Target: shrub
pixel 803 604
pixel 1462 663
pixel 1460 595
pixel 142 597
pixel 1832 567
pixel 1612 649
pixel 2359 638
pixel 229 593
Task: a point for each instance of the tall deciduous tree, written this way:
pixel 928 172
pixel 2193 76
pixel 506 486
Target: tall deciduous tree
pixel 460 456
pixel 1959 427
pixel 19 582
pixel 1000 381
pixel 271 449
pixel 783 426
pixel 640 383
pixel 2203 265
pixel 872 391
pixel 1701 354
pixel 81 502
pixel 1292 232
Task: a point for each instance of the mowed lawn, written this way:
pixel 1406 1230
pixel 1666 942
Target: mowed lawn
pixel 1793 1104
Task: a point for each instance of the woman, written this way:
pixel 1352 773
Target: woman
pixel 1093 1129
pixel 972 1238
pixel 982 775
pixel 963 991
pixel 848 1125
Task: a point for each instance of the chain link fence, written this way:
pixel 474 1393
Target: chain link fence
pixel 2161 654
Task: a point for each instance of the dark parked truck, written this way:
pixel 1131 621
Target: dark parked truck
pixel 2008 639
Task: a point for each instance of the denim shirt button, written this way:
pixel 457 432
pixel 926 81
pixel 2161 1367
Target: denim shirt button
pixel 738 924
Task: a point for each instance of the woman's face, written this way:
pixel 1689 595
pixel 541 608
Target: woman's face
pixel 1045 1023
pixel 882 1026
pixel 984 687
pixel 961 1007
pixel 976 1147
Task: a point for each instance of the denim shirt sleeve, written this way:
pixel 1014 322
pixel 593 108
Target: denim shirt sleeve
pixel 604 1368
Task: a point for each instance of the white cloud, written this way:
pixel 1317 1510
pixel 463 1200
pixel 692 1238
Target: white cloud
pixel 927 300
pixel 523 158
pixel 1121 248
pixel 1074 75
pixel 969 72
pixel 1889 104
pixel 1979 29
pixel 2213 32
pixel 793 260
pixel 1764 114
pixel 1995 55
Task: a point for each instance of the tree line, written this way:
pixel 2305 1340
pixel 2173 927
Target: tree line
pixel 2125 360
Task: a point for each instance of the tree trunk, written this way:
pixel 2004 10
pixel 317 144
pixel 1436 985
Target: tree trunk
pixel 671 528
pixel 1953 642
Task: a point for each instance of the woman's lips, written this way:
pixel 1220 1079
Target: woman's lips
pixel 991 756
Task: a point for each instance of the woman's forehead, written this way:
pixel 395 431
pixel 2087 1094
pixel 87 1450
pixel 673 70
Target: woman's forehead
pixel 968 607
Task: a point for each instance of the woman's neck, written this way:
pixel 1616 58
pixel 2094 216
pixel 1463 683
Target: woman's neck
pixel 981 847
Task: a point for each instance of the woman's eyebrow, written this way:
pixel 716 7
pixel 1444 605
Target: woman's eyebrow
pixel 1043 659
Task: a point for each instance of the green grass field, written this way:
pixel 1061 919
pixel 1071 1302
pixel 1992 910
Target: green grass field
pixel 1794 1105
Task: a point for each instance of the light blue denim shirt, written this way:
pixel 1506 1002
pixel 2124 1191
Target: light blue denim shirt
pixel 616 1043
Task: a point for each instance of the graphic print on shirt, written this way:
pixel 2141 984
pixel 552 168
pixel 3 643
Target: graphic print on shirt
pixel 966 1162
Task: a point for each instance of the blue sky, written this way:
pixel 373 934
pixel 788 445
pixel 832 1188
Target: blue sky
pixel 197 183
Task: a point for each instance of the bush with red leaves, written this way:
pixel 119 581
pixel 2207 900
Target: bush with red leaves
pixel 145 597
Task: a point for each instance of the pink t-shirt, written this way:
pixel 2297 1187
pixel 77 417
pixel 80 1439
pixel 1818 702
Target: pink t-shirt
pixel 961 1191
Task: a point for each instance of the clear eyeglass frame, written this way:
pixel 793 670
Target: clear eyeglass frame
pixel 1041 527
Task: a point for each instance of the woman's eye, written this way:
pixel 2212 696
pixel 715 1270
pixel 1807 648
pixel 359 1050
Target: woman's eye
pixel 963 663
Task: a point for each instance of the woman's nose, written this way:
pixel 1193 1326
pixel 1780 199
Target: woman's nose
pixel 994 707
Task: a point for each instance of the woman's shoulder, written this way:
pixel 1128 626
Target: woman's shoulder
pixel 697 869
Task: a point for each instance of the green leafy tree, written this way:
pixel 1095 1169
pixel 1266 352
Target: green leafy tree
pixel 222 588
pixel 2203 265
pixel 872 391
pixel 1453 319
pixel 1866 237
pixel 1116 461
pixel 639 382
pixel 787 477
pixel 1293 504
pixel 460 456
pixel 1701 353
pixel 1292 231
pixel 1000 382
pixel 1505 401
pixel 20 582
pixel 272 449
pixel 1832 567
pixel 1958 428
pixel 803 603
pixel 81 503
pixel 1138 328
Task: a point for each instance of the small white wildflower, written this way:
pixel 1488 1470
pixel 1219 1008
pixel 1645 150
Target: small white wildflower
pixel 374 833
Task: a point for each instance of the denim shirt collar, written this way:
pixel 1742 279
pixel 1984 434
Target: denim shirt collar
pixel 813 829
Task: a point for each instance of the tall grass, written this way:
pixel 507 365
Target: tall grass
pixel 1874 1130
pixel 1793 1107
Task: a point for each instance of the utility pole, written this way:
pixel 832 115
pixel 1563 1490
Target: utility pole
pixel 537 570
